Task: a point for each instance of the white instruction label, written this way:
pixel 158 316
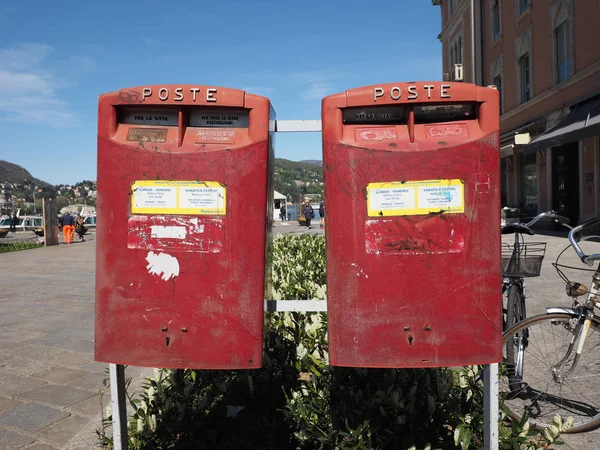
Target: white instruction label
pixel 392 198
pixel 155 197
pixel 202 197
pixel 440 196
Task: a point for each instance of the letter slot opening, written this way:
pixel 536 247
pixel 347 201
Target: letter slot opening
pixel 164 117
pixel 219 118
pixel 399 115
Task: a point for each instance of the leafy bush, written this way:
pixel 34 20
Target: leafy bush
pixel 297 401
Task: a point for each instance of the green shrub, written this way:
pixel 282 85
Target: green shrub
pixel 297 401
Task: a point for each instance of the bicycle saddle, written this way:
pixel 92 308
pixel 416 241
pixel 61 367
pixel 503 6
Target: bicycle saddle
pixel 515 227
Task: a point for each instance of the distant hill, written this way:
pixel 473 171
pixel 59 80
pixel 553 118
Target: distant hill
pixel 13 173
pixel 294 178
pixel 312 161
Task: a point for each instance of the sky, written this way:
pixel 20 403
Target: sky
pixel 57 57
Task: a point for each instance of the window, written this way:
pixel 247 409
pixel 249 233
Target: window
pixel 452 5
pixel 562 44
pixel 456 52
pixel 523 5
pixel 496 26
pixel 498 84
pixel 529 193
pixel 525 77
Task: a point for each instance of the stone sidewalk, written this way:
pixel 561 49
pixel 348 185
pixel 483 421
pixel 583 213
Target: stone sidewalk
pixel 51 390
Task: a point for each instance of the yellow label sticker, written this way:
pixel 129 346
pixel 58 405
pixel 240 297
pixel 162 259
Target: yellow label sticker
pixel 178 197
pixel 410 198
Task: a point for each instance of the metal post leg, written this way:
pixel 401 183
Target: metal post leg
pixel 490 406
pixel 119 408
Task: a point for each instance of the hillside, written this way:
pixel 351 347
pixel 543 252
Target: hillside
pixel 291 178
pixel 294 178
pixel 13 173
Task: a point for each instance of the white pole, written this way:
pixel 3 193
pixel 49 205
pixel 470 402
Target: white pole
pixel 490 406
pixel 119 408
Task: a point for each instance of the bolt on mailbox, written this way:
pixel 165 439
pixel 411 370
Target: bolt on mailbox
pixel 185 203
pixel 413 225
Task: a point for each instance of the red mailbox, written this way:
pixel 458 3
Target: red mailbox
pixel 184 212
pixel 412 195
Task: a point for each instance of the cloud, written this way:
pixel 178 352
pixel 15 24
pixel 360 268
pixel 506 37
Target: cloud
pixel 31 84
pixel 315 84
pixel 259 90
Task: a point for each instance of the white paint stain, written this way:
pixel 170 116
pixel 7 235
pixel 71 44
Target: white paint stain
pixel 360 271
pixel 163 265
pixel 160 231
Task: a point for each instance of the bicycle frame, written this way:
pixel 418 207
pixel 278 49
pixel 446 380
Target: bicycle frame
pixel 582 329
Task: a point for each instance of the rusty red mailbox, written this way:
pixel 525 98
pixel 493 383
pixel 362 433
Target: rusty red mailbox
pixel 412 195
pixel 184 211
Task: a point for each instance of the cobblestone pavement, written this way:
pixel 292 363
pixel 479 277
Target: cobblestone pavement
pixel 549 290
pixel 51 388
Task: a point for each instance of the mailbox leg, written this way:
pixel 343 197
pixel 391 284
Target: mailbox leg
pixel 119 407
pixel 490 406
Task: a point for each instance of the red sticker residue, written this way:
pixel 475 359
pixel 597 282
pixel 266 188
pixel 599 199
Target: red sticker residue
pixel 447 130
pixel 375 134
pixel 412 236
pixel 176 233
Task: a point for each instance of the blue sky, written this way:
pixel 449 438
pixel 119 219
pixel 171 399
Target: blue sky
pixel 57 57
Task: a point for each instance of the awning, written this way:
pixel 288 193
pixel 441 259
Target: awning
pixel 507 146
pixel 278 196
pixel 581 123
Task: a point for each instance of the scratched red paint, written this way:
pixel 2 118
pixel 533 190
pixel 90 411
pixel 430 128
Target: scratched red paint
pixel 410 235
pixel 180 233
pixel 182 291
pixel 413 290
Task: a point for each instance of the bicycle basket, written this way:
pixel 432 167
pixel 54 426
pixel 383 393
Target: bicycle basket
pixel 527 263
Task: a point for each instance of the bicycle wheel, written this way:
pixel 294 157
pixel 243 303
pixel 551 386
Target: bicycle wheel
pixel 514 348
pixel 544 389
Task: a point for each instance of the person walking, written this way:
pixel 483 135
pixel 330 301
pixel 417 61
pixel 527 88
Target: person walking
pixel 282 213
pixel 309 213
pixel 79 227
pixel 322 214
pixel 12 222
pixel 68 227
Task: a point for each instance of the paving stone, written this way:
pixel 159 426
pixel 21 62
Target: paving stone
pixel 31 417
pixel 9 440
pixel 61 432
pixel 91 407
pixel 95 366
pixel 79 345
pixel 61 375
pixel 25 366
pixel 73 359
pixel 91 381
pixel 41 447
pixel 13 384
pixel 35 351
pixel 55 394
pixel 7 403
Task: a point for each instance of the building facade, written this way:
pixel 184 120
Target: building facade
pixel 544 58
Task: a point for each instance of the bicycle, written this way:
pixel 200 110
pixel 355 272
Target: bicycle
pixel 557 367
pixel 520 261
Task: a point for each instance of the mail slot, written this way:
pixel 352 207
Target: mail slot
pixel 185 199
pixel 411 173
